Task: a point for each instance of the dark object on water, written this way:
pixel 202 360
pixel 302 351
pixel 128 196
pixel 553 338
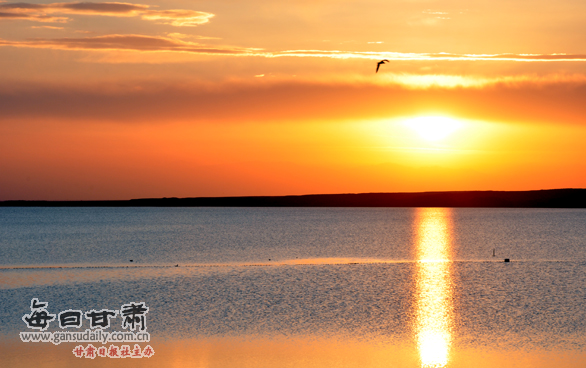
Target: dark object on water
pixel 507 260
pixel 176 265
pixel 131 260
pixel 493 252
pixel 380 63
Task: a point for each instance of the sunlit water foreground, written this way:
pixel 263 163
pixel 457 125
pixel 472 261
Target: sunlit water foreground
pixel 278 352
pixel 444 301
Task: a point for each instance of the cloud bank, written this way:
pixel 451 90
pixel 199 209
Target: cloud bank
pixel 127 42
pixel 40 12
pixel 540 101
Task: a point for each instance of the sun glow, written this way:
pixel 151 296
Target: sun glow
pixel 433 128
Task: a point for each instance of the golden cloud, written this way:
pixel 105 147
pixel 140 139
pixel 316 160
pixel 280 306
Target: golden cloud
pixel 178 17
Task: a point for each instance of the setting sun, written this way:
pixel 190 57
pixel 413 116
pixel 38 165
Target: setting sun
pixel 433 128
pixel 184 99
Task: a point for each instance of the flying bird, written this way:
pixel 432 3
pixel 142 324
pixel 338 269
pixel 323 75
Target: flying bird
pixel 380 63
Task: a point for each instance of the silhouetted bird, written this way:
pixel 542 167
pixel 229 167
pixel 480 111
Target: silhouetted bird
pixel 380 63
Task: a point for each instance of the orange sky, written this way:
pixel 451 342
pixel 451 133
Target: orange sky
pixel 108 100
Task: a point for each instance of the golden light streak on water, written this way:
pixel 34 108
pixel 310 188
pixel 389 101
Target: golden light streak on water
pixel 433 282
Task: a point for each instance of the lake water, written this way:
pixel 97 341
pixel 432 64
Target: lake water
pixel 305 287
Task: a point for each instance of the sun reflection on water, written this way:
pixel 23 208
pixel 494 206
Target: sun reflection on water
pixel 433 280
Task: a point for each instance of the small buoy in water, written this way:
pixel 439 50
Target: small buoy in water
pixel 269 259
pixel 131 260
pixel 507 260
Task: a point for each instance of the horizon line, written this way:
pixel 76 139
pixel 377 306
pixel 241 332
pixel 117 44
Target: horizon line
pixel 539 198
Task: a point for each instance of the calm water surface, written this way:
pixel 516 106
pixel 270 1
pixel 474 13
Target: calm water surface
pixel 346 287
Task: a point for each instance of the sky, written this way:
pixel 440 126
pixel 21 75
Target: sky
pixel 116 100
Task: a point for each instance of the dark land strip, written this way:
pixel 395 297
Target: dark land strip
pixel 552 198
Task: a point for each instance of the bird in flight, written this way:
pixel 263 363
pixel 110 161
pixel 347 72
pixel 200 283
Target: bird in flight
pixel 380 63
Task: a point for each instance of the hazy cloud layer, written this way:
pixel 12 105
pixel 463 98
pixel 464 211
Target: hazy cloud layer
pixel 39 12
pixel 555 102
pixel 127 42
pixel 154 43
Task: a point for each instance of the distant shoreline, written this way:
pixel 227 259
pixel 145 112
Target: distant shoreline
pixel 551 198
